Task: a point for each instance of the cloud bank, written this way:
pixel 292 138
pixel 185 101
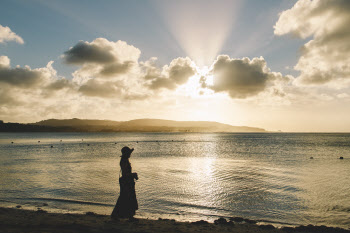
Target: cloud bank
pixel 325 59
pixel 7 35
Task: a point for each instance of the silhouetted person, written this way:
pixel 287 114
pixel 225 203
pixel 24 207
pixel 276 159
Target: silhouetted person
pixel 127 203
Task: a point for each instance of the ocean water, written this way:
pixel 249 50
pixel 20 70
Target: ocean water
pixel 183 176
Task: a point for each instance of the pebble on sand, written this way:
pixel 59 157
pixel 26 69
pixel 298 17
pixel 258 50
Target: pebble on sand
pixel 201 222
pixel 237 219
pixel 220 221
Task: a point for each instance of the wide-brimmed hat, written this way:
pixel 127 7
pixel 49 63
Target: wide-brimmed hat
pixel 127 150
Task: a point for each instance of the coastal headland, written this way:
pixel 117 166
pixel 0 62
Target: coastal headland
pixel 139 125
pixel 18 220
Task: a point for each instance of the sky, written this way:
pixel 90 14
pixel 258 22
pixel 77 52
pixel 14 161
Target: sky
pixel 274 64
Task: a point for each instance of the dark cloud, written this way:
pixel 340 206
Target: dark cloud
pixel 8 97
pixel 85 52
pixel 162 82
pixel 20 77
pixel 102 58
pixel 241 78
pixel 59 84
pixel 116 68
pixel 178 73
pixel 95 88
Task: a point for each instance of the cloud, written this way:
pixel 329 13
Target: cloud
pixel 4 62
pixel 85 52
pixel 326 57
pixel 19 77
pixel 107 69
pixel 102 58
pixel 169 77
pixel 116 68
pixel 7 35
pixel 18 85
pixel 95 88
pixel 242 78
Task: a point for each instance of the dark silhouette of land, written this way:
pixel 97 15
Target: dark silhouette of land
pixel 140 125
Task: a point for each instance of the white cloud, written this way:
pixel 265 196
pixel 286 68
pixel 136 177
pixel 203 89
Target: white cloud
pixel 7 35
pixel 326 57
pixel 4 61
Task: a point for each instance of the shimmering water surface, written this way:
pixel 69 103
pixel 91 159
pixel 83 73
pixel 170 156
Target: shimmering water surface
pixel 186 176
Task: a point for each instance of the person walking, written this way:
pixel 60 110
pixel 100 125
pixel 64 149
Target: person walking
pixel 127 203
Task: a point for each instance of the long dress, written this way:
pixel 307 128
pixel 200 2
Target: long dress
pixel 127 203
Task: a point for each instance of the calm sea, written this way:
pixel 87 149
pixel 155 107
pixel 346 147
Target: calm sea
pixel 185 176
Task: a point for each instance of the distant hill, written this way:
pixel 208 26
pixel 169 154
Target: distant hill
pixel 75 122
pixel 142 125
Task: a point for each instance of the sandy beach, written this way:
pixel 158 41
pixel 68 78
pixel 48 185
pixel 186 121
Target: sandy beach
pixel 19 220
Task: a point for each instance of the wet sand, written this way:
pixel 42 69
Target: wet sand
pixel 18 220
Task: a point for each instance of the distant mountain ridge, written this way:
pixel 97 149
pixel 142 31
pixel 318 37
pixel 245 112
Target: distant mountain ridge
pixel 142 125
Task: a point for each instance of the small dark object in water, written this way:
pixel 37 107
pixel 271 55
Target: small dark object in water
pixel 220 221
pixel 115 143
pixel 341 157
pixel 267 227
pixel 201 222
pixel 45 204
pixel 18 206
pixel 51 146
pixel 137 142
pixel 311 157
pixel 88 144
pixel 12 142
pixel 237 219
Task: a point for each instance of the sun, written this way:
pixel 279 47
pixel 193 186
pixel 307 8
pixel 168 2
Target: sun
pixel 196 85
pixel 204 72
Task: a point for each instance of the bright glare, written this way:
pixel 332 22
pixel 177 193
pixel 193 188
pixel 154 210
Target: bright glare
pixel 205 72
pixel 200 29
pixel 194 88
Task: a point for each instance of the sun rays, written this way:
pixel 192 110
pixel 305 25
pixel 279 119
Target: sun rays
pixel 200 29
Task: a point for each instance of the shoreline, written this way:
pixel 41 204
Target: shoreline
pixel 19 220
